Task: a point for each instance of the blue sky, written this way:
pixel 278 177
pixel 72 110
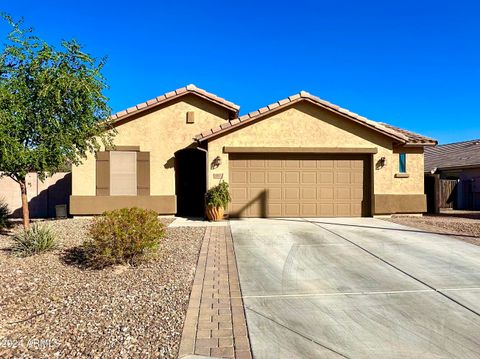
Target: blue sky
pixel 414 64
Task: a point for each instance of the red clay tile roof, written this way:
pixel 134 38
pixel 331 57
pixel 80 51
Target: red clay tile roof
pixel 189 89
pixel 453 155
pixel 402 136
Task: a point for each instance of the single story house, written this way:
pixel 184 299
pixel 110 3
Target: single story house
pixel 459 161
pixel 298 157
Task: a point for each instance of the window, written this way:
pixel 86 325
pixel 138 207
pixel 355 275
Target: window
pixel 123 173
pixel 402 162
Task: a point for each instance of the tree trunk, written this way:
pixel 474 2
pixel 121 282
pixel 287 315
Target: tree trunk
pixel 25 211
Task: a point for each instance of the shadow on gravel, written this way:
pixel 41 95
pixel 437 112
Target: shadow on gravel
pixel 75 256
pixel 4 231
pixel 467 215
pixel 7 228
pixel 7 250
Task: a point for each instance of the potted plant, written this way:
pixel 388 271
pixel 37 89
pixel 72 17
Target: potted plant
pixel 217 200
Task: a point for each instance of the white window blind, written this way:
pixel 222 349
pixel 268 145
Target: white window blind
pixel 123 173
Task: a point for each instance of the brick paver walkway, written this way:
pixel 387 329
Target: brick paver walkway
pixel 215 323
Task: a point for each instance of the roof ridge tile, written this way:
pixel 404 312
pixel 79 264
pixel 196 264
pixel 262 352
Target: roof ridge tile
pixel 191 88
pixel 273 105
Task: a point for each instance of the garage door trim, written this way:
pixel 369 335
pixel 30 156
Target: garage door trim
pixel 329 150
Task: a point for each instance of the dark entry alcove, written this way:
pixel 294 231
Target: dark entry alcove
pixel 190 181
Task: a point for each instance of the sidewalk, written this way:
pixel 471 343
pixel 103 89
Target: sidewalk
pixel 215 322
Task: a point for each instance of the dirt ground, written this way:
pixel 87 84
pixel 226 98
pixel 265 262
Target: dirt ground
pixel 52 308
pixel 464 225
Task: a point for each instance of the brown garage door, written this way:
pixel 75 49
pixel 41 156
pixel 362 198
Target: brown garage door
pixel 288 185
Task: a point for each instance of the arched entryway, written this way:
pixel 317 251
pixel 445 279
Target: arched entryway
pixel 190 181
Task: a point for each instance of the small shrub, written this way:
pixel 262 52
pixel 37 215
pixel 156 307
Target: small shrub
pixel 36 240
pixel 4 212
pixel 123 236
pixel 219 196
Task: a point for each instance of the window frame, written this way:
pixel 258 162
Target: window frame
pixel 402 162
pixel 134 188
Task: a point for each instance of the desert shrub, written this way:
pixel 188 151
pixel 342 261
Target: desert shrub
pixel 219 196
pixel 4 212
pixel 123 236
pixel 35 240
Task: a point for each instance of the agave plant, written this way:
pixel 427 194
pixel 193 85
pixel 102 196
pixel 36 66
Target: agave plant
pixel 35 240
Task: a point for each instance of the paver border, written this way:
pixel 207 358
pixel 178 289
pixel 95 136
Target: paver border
pixel 215 323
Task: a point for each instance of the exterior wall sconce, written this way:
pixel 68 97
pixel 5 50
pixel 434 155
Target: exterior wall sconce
pixel 217 161
pixel 382 162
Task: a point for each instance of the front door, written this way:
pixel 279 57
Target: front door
pixel 190 182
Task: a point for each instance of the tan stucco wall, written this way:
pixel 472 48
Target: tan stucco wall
pixel 161 132
pixel 305 125
pixel 414 184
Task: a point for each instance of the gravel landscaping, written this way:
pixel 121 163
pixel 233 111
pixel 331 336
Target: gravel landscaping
pixel 52 307
pixel 461 225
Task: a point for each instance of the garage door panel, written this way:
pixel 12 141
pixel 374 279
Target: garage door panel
pixel 343 164
pixel 292 177
pixel 238 177
pixel 273 164
pixel 325 177
pixel 239 164
pixel 236 207
pixel 343 210
pixel 326 210
pixel 357 177
pixel 291 209
pixel 291 194
pixel 256 209
pixel 256 163
pixel 292 163
pixel 257 177
pixel 285 185
pixel 325 194
pixel 308 209
pixel 308 193
pixel 356 210
pixel 310 164
pixel 343 177
pixel 357 194
pixel 240 194
pixel 343 193
pixel 357 164
pixel 274 177
pixel 325 164
pixel 275 194
pixel 308 178
pixel 274 210
pixel 256 192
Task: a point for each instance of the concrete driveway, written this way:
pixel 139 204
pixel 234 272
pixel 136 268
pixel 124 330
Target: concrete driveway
pixel 357 288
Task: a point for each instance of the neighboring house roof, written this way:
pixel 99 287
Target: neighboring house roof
pixel 169 96
pixel 402 136
pixel 453 155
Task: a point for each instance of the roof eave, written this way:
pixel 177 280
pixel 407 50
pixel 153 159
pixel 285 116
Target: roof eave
pixel 170 96
pixel 420 144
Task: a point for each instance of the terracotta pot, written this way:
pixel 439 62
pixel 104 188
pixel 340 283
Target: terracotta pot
pixel 215 213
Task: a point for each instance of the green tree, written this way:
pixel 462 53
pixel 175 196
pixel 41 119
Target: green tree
pixel 52 107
